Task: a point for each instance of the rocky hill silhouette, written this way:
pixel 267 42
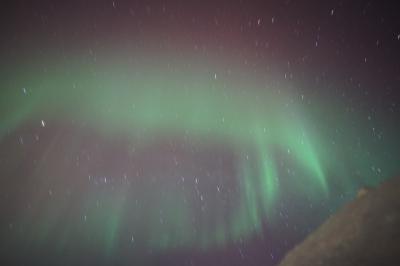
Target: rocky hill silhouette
pixel 366 231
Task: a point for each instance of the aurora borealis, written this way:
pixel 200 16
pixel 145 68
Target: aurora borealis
pixel 163 133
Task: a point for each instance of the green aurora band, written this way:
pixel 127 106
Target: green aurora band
pixel 146 103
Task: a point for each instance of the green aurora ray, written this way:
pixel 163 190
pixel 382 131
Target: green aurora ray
pixel 252 118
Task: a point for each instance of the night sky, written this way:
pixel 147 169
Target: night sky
pixel 189 132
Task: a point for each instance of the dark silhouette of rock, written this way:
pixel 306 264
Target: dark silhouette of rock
pixel 364 232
